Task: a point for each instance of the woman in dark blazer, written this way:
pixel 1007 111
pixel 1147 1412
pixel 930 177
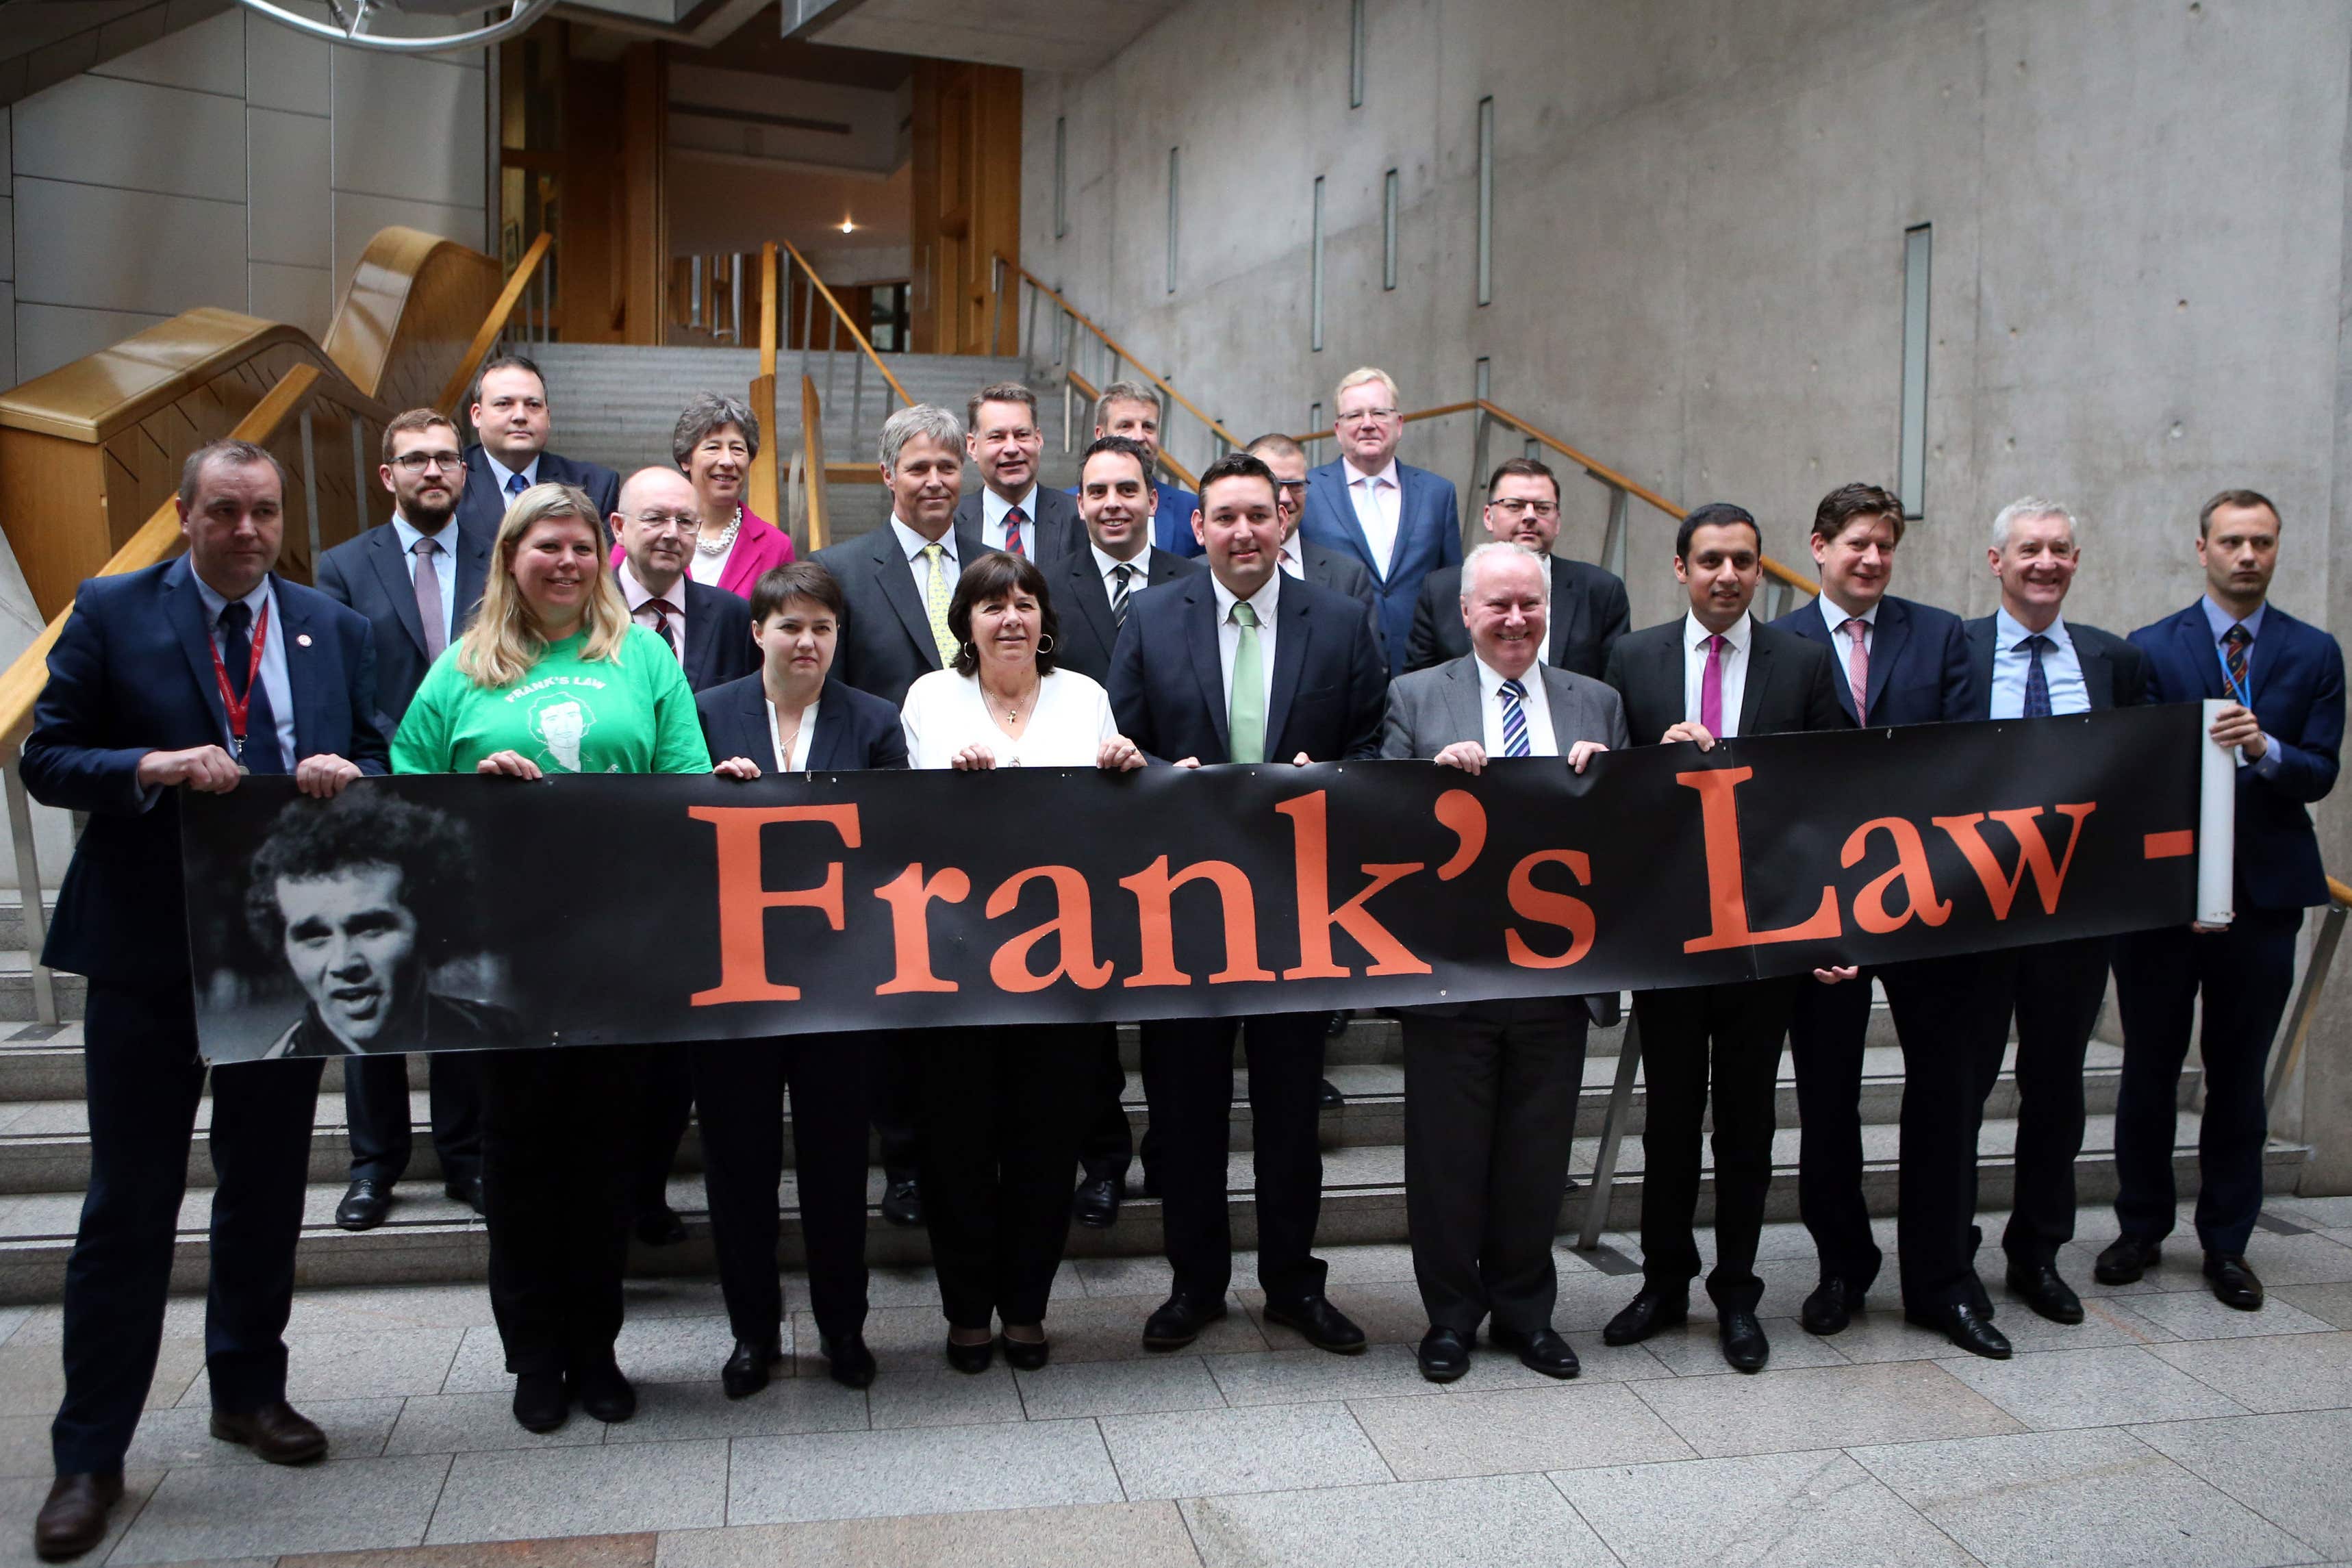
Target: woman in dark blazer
pixel 790 718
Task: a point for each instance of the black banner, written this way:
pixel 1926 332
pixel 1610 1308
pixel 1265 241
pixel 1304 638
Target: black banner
pixel 452 913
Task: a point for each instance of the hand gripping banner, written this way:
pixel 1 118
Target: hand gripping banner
pixel 454 913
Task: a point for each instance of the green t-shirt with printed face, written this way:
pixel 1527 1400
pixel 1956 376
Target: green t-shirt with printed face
pixel 630 714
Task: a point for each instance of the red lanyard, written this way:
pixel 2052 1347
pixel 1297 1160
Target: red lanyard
pixel 238 706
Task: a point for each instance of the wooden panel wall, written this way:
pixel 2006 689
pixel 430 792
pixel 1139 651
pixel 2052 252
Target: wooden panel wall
pixel 967 203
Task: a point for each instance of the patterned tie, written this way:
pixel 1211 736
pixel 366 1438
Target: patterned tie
pixel 2234 643
pixel 1120 572
pixel 935 601
pixel 261 753
pixel 1857 665
pixel 517 484
pixel 661 610
pixel 1245 704
pixel 1515 720
pixel 1710 688
pixel 1013 522
pixel 428 600
pixel 2037 680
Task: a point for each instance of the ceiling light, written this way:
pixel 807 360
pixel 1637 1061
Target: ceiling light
pixel 848 226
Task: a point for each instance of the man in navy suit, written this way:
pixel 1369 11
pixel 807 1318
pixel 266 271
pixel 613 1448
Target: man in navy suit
pixel 2285 682
pixel 1401 523
pixel 1588 609
pixel 1011 511
pixel 1193 678
pixel 1303 559
pixel 190 673
pixel 1131 409
pixel 512 424
pixel 417 581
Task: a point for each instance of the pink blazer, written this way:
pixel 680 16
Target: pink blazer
pixel 759 545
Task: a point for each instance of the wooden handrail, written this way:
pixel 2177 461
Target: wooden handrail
pixel 766 492
pixel 771 311
pixel 486 335
pixel 1113 345
pixel 813 467
pixel 855 332
pixel 1167 462
pixel 2339 892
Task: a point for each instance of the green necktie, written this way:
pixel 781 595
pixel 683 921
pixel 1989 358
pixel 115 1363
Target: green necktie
pixel 936 597
pixel 1245 704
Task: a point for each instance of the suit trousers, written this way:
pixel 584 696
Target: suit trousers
pixel 1110 1142
pixel 1490 1099
pixel 665 1105
pixel 1703 1044
pixel 375 1105
pixel 1952 1019
pixel 1829 1028
pixel 740 1086
pixel 2245 974
pixel 1002 1110
pixel 894 1070
pixel 557 1129
pixel 1188 1083
pixel 2056 990
pixel 144 1082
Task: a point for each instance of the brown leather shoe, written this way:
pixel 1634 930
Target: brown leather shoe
pixel 74 1518
pixel 277 1433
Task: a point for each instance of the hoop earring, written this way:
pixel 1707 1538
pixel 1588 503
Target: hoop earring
pixel 1046 642
pixel 971 653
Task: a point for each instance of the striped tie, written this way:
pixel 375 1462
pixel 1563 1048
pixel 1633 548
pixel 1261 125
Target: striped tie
pixel 935 602
pixel 1122 572
pixel 2037 678
pixel 1013 522
pixel 2234 643
pixel 1515 720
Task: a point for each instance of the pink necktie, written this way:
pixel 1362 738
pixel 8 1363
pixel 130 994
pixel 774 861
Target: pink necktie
pixel 1857 666
pixel 1710 688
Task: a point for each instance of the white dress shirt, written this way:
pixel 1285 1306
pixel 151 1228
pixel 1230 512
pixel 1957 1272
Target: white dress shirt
pixel 1229 640
pixel 993 508
pixel 500 474
pixel 1379 500
pixel 796 760
pixel 1535 705
pixel 274 678
pixel 1286 556
pixel 1735 669
pixel 445 566
pixel 2061 668
pixel 638 596
pixel 944 712
pixel 912 543
pixel 1107 565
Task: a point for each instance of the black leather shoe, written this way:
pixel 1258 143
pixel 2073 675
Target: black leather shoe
pixel 604 1394
pixel 1337 1023
pixel 467 1190
pixel 365 1204
pixel 661 1227
pixel 1319 1324
pixel 73 1519
pixel 971 1358
pixel 2234 1284
pixel 1645 1315
pixel 1024 1355
pixel 1745 1348
pixel 1327 1096
pixel 746 1372
pixel 2039 1287
pixel 1443 1354
pixel 1096 1204
pixel 541 1402
pixel 1965 1327
pixel 277 1433
pixel 1543 1351
pixel 1830 1309
pixel 1979 1297
pixel 902 1203
pixel 1177 1321
pixel 847 1361
pixel 2125 1260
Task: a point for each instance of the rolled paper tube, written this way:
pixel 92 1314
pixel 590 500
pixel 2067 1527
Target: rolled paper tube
pixel 2217 824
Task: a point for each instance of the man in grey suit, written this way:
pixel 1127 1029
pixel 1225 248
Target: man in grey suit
pixel 1011 511
pixel 1491 1088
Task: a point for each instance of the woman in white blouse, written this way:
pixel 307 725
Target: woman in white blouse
pixel 1004 1107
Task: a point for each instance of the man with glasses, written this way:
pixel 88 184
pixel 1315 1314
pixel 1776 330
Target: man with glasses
pixel 1303 559
pixel 416 580
pixel 1401 523
pixel 1131 409
pixel 1588 609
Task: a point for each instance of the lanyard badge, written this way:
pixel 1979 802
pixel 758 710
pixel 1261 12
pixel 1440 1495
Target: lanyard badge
pixel 235 706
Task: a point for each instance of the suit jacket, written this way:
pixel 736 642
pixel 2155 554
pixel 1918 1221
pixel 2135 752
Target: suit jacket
pixel 1589 613
pixel 1921 672
pixel 1053 534
pixel 1082 606
pixel 2296 676
pixel 370 575
pixel 718 646
pixel 852 731
pixel 885 630
pixel 481 506
pixel 1342 573
pixel 1792 683
pixel 2115 672
pixel 131 673
pixel 1428 537
pixel 1167 684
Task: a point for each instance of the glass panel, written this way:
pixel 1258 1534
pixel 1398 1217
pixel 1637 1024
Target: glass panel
pixel 1485 201
pixel 1389 231
pixel 1315 287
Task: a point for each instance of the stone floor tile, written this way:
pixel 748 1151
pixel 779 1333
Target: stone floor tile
pixel 2312 1259
pixel 2319 1213
pixel 11 1320
pixel 175 1439
pixel 905 1285
pixel 260 1510
pixel 2292 1372
pixel 924 1469
pixel 582 1491
pixel 941 1397
pixel 668 1412
pixel 374 1308
pixel 379 1365
pixel 20 1503
pixel 674 1349
pixel 1786 1510
pixel 478 1423
pixel 1086 1328
pixel 1131 1535
pixel 1492 1367
pixel 1276 1448
pixel 1153 1276
pixel 2053 1499
pixel 1561 1427
pixel 33 1376
pixel 25 1446
pixel 688 1296
pixel 2331 1304
pixel 1375 1263
pixel 1821 1407
pixel 1119 1388
pixel 2196 1315
pixel 1389 1312
pixel 2050 1390
pixel 1466 1523
pixel 1312 1376
pixel 2295 1470
pixel 572 1552
pixel 1695 1349
pixel 479 1367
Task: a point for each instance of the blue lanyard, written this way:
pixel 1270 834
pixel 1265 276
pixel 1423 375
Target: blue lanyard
pixel 2242 695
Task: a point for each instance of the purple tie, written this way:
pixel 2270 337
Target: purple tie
pixel 1710 688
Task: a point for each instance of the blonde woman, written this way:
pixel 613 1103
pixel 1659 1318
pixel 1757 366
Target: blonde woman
pixel 606 697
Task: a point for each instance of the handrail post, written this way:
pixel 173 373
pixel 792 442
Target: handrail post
pixel 1067 414
pixel 1480 429
pixel 832 352
pixel 996 304
pixel 1030 336
pixel 2307 1003
pixel 1613 542
pixel 311 486
pixel 1612 1134
pixel 856 395
pixel 360 475
pixel 28 887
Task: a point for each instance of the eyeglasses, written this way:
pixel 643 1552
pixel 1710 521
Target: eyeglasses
pixel 1512 506
pixel 1367 416
pixel 417 462
pixel 663 522
pixel 1294 489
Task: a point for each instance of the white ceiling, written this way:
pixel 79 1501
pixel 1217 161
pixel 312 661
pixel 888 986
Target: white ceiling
pixel 1031 35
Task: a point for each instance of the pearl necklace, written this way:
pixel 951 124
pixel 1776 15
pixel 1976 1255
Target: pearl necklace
pixel 726 540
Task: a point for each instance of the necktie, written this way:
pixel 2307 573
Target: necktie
pixel 1013 522
pixel 1515 720
pixel 2234 643
pixel 2037 680
pixel 1120 575
pixel 1857 665
pixel 935 602
pixel 661 610
pixel 428 600
pixel 517 484
pixel 1245 704
pixel 1710 688
pixel 261 752
pixel 1372 510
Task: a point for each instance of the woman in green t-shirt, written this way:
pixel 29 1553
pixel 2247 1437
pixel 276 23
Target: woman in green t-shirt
pixel 553 679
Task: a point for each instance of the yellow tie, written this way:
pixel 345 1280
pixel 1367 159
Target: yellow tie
pixel 936 597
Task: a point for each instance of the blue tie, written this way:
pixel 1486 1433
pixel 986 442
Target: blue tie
pixel 261 752
pixel 517 484
pixel 1515 720
pixel 2037 682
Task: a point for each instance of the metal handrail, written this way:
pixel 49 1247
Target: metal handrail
pixel 494 325
pixel 1073 381
pixel 856 333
